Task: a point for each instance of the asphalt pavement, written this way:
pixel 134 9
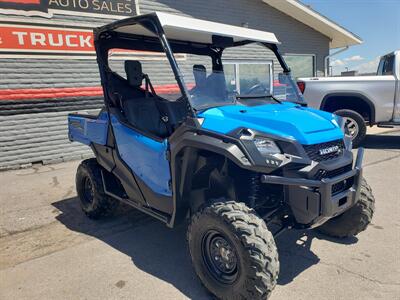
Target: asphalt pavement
pixel 50 250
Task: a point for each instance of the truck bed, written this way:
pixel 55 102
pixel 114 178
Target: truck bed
pixel 88 128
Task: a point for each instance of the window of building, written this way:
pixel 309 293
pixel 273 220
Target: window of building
pixel 302 65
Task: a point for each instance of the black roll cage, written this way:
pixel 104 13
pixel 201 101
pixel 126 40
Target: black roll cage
pixel 106 38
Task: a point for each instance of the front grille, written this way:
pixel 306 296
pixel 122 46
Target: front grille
pixel 333 173
pixel 313 151
pixel 339 186
pixel 342 185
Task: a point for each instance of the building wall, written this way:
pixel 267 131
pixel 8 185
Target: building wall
pixel 295 36
pixel 36 94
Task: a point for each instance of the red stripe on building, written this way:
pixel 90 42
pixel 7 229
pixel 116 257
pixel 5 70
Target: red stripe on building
pixel 47 93
pixel 90 91
pixel 21 1
pixel 28 94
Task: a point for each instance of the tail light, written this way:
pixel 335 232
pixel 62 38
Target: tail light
pixel 302 86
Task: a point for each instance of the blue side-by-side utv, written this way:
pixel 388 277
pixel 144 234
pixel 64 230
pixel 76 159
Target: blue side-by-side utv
pixel 242 164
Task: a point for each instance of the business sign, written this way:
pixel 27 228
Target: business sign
pixel 40 6
pixel 29 39
pixel 47 41
pixel 46 8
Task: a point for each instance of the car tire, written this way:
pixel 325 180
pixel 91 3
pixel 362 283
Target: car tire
pixel 89 186
pixel 354 220
pixel 248 268
pixel 357 123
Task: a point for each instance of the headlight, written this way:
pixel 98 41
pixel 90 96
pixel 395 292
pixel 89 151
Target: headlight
pixel 266 146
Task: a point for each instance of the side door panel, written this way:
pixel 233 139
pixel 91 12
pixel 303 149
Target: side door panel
pixel 381 92
pixel 146 157
pixel 387 71
pixel 396 113
pixel 397 102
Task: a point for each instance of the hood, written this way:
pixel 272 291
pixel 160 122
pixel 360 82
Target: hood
pixel 305 125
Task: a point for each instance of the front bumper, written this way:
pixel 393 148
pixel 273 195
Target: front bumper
pixel 313 202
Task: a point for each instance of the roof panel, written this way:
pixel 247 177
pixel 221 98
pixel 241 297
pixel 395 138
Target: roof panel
pixel 200 31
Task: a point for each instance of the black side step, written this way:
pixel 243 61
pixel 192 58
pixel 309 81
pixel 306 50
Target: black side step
pixel 147 210
pixel 388 124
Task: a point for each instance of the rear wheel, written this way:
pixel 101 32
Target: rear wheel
pixel 89 186
pixel 354 220
pixel 355 125
pixel 233 252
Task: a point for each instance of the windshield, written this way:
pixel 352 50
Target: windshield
pixel 246 81
pixel 286 89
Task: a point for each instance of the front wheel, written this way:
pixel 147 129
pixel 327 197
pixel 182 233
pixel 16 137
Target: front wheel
pixel 355 125
pixel 354 220
pixel 233 252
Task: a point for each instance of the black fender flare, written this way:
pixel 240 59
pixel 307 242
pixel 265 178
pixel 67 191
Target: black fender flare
pixel 188 142
pixel 351 94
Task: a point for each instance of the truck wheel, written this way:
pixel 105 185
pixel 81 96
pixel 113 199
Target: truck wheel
pixel 355 124
pixel 354 220
pixel 233 252
pixel 89 186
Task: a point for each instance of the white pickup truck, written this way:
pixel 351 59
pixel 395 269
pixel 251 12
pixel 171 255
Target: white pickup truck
pixel 361 100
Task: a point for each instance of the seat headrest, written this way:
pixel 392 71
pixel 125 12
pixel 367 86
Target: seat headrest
pixel 133 70
pixel 199 68
pixel 200 75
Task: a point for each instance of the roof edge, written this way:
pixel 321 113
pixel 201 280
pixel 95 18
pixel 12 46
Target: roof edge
pixel 340 36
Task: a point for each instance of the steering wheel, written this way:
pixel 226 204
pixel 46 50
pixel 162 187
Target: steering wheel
pixel 256 87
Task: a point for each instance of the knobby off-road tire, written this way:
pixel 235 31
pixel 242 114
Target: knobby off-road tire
pixel 354 220
pixel 251 246
pixel 89 186
pixel 358 120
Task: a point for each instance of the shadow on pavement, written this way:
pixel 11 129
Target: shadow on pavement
pixel 153 248
pixel 162 252
pixel 295 254
pixel 382 141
